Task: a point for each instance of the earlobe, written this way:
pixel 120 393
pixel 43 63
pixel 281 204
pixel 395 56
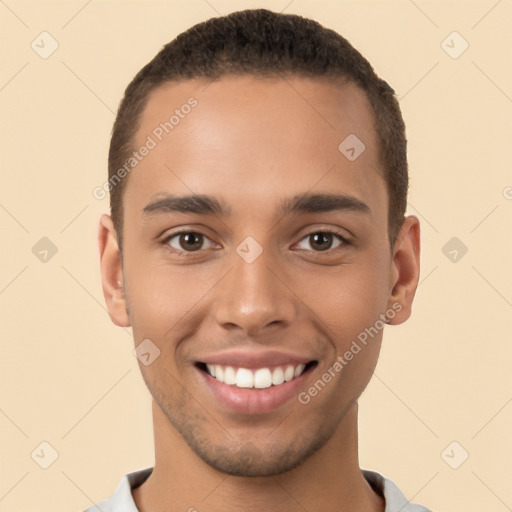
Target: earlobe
pixel 112 272
pixel 405 270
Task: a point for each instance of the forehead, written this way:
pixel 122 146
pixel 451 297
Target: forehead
pixel 252 137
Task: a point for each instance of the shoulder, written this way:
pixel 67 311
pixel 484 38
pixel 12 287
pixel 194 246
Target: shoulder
pixel 122 499
pixel 395 499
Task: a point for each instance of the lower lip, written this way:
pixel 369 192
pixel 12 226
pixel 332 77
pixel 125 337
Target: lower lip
pixel 252 400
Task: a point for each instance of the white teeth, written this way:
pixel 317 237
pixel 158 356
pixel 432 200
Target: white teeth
pixel 299 370
pixel 289 372
pixel 244 378
pixel 260 379
pixel 278 376
pixel 229 375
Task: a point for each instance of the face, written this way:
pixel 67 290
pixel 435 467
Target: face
pixel 255 290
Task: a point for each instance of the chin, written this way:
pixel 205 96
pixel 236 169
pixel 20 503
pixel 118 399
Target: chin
pixel 245 455
pixel 249 459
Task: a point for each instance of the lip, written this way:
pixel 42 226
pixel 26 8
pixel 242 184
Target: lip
pixel 252 401
pixel 253 360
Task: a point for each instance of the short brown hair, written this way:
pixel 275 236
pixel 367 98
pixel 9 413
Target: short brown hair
pixel 261 42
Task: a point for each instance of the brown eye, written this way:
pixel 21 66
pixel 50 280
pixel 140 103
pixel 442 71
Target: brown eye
pixel 188 241
pixel 321 241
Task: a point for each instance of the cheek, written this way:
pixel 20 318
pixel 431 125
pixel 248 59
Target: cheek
pixel 158 297
pixel 349 300
pixel 169 305
pixel 349 310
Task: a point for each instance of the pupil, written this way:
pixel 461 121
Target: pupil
pixel 190 240
pixel 322 237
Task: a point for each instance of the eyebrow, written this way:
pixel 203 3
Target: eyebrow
pixel 302 203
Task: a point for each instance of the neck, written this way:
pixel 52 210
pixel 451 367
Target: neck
pixel 328 480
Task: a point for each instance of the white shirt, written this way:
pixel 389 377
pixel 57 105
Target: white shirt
pixel 122 500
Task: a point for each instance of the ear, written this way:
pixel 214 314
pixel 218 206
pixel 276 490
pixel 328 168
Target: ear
pixel 112 272
pixel 405 270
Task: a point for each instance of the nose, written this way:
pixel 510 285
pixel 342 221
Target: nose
pixel 254 296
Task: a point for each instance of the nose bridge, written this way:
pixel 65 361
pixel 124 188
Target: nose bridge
pixel 251 296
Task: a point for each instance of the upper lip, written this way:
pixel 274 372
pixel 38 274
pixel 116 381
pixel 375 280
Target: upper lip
pixel 253 359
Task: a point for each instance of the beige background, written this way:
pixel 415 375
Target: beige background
pixel 68 376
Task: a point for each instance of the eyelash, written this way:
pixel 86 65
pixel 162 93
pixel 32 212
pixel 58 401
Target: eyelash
pixel 187 254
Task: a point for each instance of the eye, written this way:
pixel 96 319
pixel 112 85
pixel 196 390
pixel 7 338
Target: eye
pixel 187 241
pixel 321 241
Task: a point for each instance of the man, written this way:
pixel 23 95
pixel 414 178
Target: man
pixel 257 246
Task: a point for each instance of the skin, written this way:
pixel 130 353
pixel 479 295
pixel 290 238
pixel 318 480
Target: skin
pixel 252 143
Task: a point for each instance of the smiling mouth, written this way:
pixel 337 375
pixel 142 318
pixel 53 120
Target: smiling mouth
pixel 257 378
